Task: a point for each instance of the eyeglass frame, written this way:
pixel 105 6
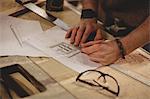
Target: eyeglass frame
pixel 99 85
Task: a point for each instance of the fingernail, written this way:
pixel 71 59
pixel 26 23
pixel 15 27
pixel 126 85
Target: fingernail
pixel 71 42
pixel 76 44
pixel 82 50
pixel 81 45
pixel 66 37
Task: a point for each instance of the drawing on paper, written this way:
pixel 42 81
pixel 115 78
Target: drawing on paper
pixel 65 49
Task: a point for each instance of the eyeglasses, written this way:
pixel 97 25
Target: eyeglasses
pixel 104 81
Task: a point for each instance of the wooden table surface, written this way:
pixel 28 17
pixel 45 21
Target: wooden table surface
pixel 63 78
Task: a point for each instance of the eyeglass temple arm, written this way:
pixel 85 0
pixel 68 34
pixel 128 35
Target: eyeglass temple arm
pixel 86 82
pixel 111 91
pixel 118 91
pixel 106 88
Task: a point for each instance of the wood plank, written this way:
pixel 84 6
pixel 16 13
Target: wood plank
pixel 66 87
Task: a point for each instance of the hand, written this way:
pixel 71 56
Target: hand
pixel 104 52
pixel 79 34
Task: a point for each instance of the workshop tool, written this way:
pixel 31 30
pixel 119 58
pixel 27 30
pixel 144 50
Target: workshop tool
pixel 44 14
pixel 24 10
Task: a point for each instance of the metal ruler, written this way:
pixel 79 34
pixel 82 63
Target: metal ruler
pixel 24 10
pixel 46 15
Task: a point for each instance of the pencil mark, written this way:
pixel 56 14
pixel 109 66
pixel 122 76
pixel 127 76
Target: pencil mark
pixel 14 32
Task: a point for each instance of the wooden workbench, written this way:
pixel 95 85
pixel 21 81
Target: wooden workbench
pixel 63 78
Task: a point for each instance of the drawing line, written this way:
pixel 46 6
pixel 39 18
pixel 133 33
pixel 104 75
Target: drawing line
pixel 12 29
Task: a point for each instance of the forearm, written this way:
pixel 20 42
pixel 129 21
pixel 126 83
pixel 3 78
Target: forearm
pixel 138 37
pixel 90 4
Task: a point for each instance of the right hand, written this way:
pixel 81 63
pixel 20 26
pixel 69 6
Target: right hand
pixel 80 33
pixel 105 52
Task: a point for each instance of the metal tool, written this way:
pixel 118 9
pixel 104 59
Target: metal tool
pixel 24 10
pixel 45 14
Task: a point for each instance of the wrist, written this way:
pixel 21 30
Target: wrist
pixel 90 20
pixel 128 46
pixel 121 48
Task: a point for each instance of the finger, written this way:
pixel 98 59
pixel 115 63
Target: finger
pixel 98 35
pixel 74 31
pixel 91 43
pixel 94 59
pixel 87 32
pixel 99 60
pixel 79 34
pixel 97 55
pixel 90 49
pixel 68 33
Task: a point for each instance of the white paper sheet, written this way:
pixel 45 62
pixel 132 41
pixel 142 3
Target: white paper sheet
pixel 54 44
pixel 9 42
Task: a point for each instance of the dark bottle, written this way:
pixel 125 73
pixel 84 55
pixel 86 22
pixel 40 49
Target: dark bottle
pixel 54 5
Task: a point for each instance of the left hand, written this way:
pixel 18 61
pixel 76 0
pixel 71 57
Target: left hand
pixel 104 52
pixel 81 32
